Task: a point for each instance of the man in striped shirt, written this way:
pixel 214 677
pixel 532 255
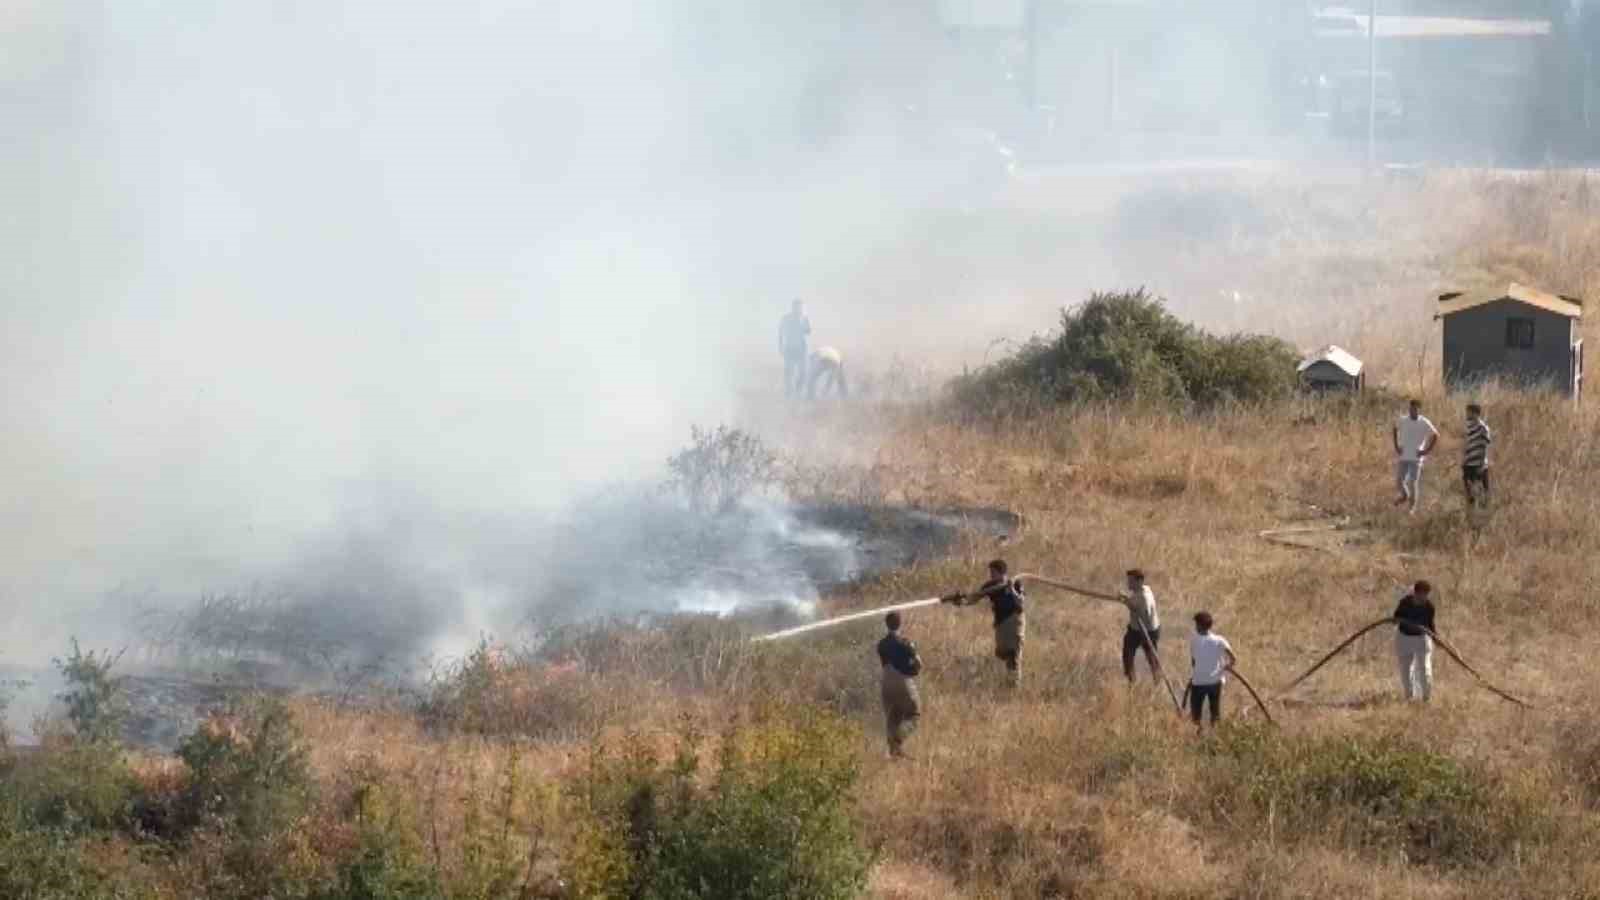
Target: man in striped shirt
pixel 1475 455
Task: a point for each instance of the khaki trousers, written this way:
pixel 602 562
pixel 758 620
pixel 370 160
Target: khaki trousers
pixel 902 706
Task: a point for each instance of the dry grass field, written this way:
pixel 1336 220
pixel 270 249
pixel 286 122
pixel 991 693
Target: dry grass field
pixel 1078 785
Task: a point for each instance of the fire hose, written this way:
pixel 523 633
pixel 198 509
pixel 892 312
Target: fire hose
pixel 1144 634
pixel 1443 644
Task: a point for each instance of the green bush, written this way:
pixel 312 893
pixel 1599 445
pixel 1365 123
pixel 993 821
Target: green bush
pixel 97 704
pixel 389 862
pixel 49 864
pixel 1127 347
pixel 773 821
pixel 249 774
pixel 77 788
pixel 1377 793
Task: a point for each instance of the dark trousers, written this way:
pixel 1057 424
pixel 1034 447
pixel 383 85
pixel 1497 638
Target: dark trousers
pixel 1199 695
pixel 1132 643
pixel 1471 475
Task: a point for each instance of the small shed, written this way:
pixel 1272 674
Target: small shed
pixel 1332 368
pixel 1520 333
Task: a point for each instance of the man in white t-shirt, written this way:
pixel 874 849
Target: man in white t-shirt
pixel 1210 655
pixel 1414 437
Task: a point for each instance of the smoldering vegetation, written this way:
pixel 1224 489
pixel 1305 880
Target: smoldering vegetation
pixel 716 539
pixel 736 532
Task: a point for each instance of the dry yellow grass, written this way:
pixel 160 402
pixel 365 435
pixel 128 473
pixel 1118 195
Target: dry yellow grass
pixel 1078 785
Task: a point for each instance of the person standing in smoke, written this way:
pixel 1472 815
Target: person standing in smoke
pixel 902 705
pixel 1413 647
pixel 794 332
pixel 1010 626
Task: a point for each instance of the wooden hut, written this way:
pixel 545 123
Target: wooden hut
pixel 1522 334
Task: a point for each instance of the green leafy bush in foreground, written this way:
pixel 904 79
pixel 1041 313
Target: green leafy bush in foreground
pixel 773 820
pixel 1126 346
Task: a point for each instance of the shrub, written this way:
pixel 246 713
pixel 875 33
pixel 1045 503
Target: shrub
pixel 1126 346
pixel 97 705
pixel 720 468
pixel 249 774
pixel 49 864
pixel 75 789
pixel 773 821
pixel 1377 793
pixel 6 687
pixel 496 693
pixel 388 862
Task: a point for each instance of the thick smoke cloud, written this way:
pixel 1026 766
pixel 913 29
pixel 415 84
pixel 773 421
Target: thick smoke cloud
pixel 342 294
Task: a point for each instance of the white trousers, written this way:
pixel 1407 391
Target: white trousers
pixel 1415 652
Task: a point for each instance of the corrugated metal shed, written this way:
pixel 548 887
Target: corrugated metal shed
pixel 1571 307
pixel 1338 356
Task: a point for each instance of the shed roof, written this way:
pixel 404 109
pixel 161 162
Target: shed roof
pixel 1338 356
pixel 1571 307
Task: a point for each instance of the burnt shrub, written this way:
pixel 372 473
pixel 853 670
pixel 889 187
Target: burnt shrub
pixel 1128 347
pixel 721 467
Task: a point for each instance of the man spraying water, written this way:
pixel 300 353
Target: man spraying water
pixel 1010 626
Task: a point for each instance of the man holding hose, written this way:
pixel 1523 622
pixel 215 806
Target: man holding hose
pixel 1210 656
pixel 1412 645
pixel 1006 600
pixel 1142 621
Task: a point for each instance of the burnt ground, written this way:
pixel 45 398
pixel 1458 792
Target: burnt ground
pixel 888 538
pixel 769 562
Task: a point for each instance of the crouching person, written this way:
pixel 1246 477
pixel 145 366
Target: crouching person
pixel 902 704
pixel 1210 655
pixel 826 368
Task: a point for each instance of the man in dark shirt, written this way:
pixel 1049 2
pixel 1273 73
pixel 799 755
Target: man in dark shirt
pixel 1010 625
pixel 1412 645
pixel 902 705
